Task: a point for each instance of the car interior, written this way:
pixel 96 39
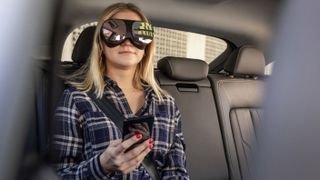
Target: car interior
pixel 221 102
pixel 219 110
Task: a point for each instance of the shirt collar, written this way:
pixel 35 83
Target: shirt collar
pixel 146 87
pixel 109 81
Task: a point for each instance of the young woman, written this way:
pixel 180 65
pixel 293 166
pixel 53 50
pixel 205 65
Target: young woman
pixel 87 144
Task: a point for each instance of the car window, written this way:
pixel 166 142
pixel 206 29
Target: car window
pixel 268 68
pixel 169 42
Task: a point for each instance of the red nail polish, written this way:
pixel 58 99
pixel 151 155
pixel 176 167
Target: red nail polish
pixel 150 141
pixel 138 135
pixel 151 147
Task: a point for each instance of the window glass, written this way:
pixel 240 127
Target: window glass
pixel 268 68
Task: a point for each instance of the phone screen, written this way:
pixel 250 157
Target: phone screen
pixel 133 126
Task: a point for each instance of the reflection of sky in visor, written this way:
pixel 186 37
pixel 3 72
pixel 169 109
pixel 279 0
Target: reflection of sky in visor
pixel 107 32
pixel 145 41
pixel 119 37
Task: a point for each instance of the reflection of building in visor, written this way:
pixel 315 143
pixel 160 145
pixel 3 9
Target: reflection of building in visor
pixel 113 24
pixel 116 31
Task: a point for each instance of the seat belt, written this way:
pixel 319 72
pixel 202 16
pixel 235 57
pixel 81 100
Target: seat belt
pixel 109 109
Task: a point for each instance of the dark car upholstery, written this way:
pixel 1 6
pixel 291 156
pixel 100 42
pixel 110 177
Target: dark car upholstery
pixel 239 94
pixel 186 80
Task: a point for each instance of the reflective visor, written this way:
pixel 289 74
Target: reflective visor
pixel 116 31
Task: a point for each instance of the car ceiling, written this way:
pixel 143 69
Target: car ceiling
pixel 238 21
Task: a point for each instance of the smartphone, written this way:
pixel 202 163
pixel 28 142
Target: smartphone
pixel 133 126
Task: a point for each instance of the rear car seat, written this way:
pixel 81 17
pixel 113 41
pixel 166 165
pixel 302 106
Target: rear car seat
pixel 239 96
pixel 81 51
pixel 40 135
pixel 186 80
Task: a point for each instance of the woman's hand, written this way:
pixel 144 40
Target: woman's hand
pixel 114 158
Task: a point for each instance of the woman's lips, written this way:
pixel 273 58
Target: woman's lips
pixel 126 52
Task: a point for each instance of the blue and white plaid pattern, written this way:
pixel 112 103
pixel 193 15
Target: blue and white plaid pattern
pixel 83 132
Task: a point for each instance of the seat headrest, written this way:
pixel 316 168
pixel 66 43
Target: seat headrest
pixel 82 48
pixel 245 60
pixel 183 69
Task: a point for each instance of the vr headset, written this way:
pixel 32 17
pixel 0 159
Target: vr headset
pixel 116 31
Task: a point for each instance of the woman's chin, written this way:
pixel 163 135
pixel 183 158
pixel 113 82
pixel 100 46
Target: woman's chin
pixel 126 65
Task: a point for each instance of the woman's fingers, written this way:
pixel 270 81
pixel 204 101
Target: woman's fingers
pixel 133 157
pixel 115 143
pixel 135 152
pixel 141 156
pixel 135 162
pixel 127 143
pixel 117 159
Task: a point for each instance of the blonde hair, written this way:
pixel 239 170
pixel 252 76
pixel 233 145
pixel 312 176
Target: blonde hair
pixel 93 71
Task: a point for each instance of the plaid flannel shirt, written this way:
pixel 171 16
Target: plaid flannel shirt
pixel 83 132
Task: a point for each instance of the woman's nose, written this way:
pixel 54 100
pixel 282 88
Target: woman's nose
pixel 127 42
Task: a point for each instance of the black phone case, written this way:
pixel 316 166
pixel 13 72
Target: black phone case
pixel 142 125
